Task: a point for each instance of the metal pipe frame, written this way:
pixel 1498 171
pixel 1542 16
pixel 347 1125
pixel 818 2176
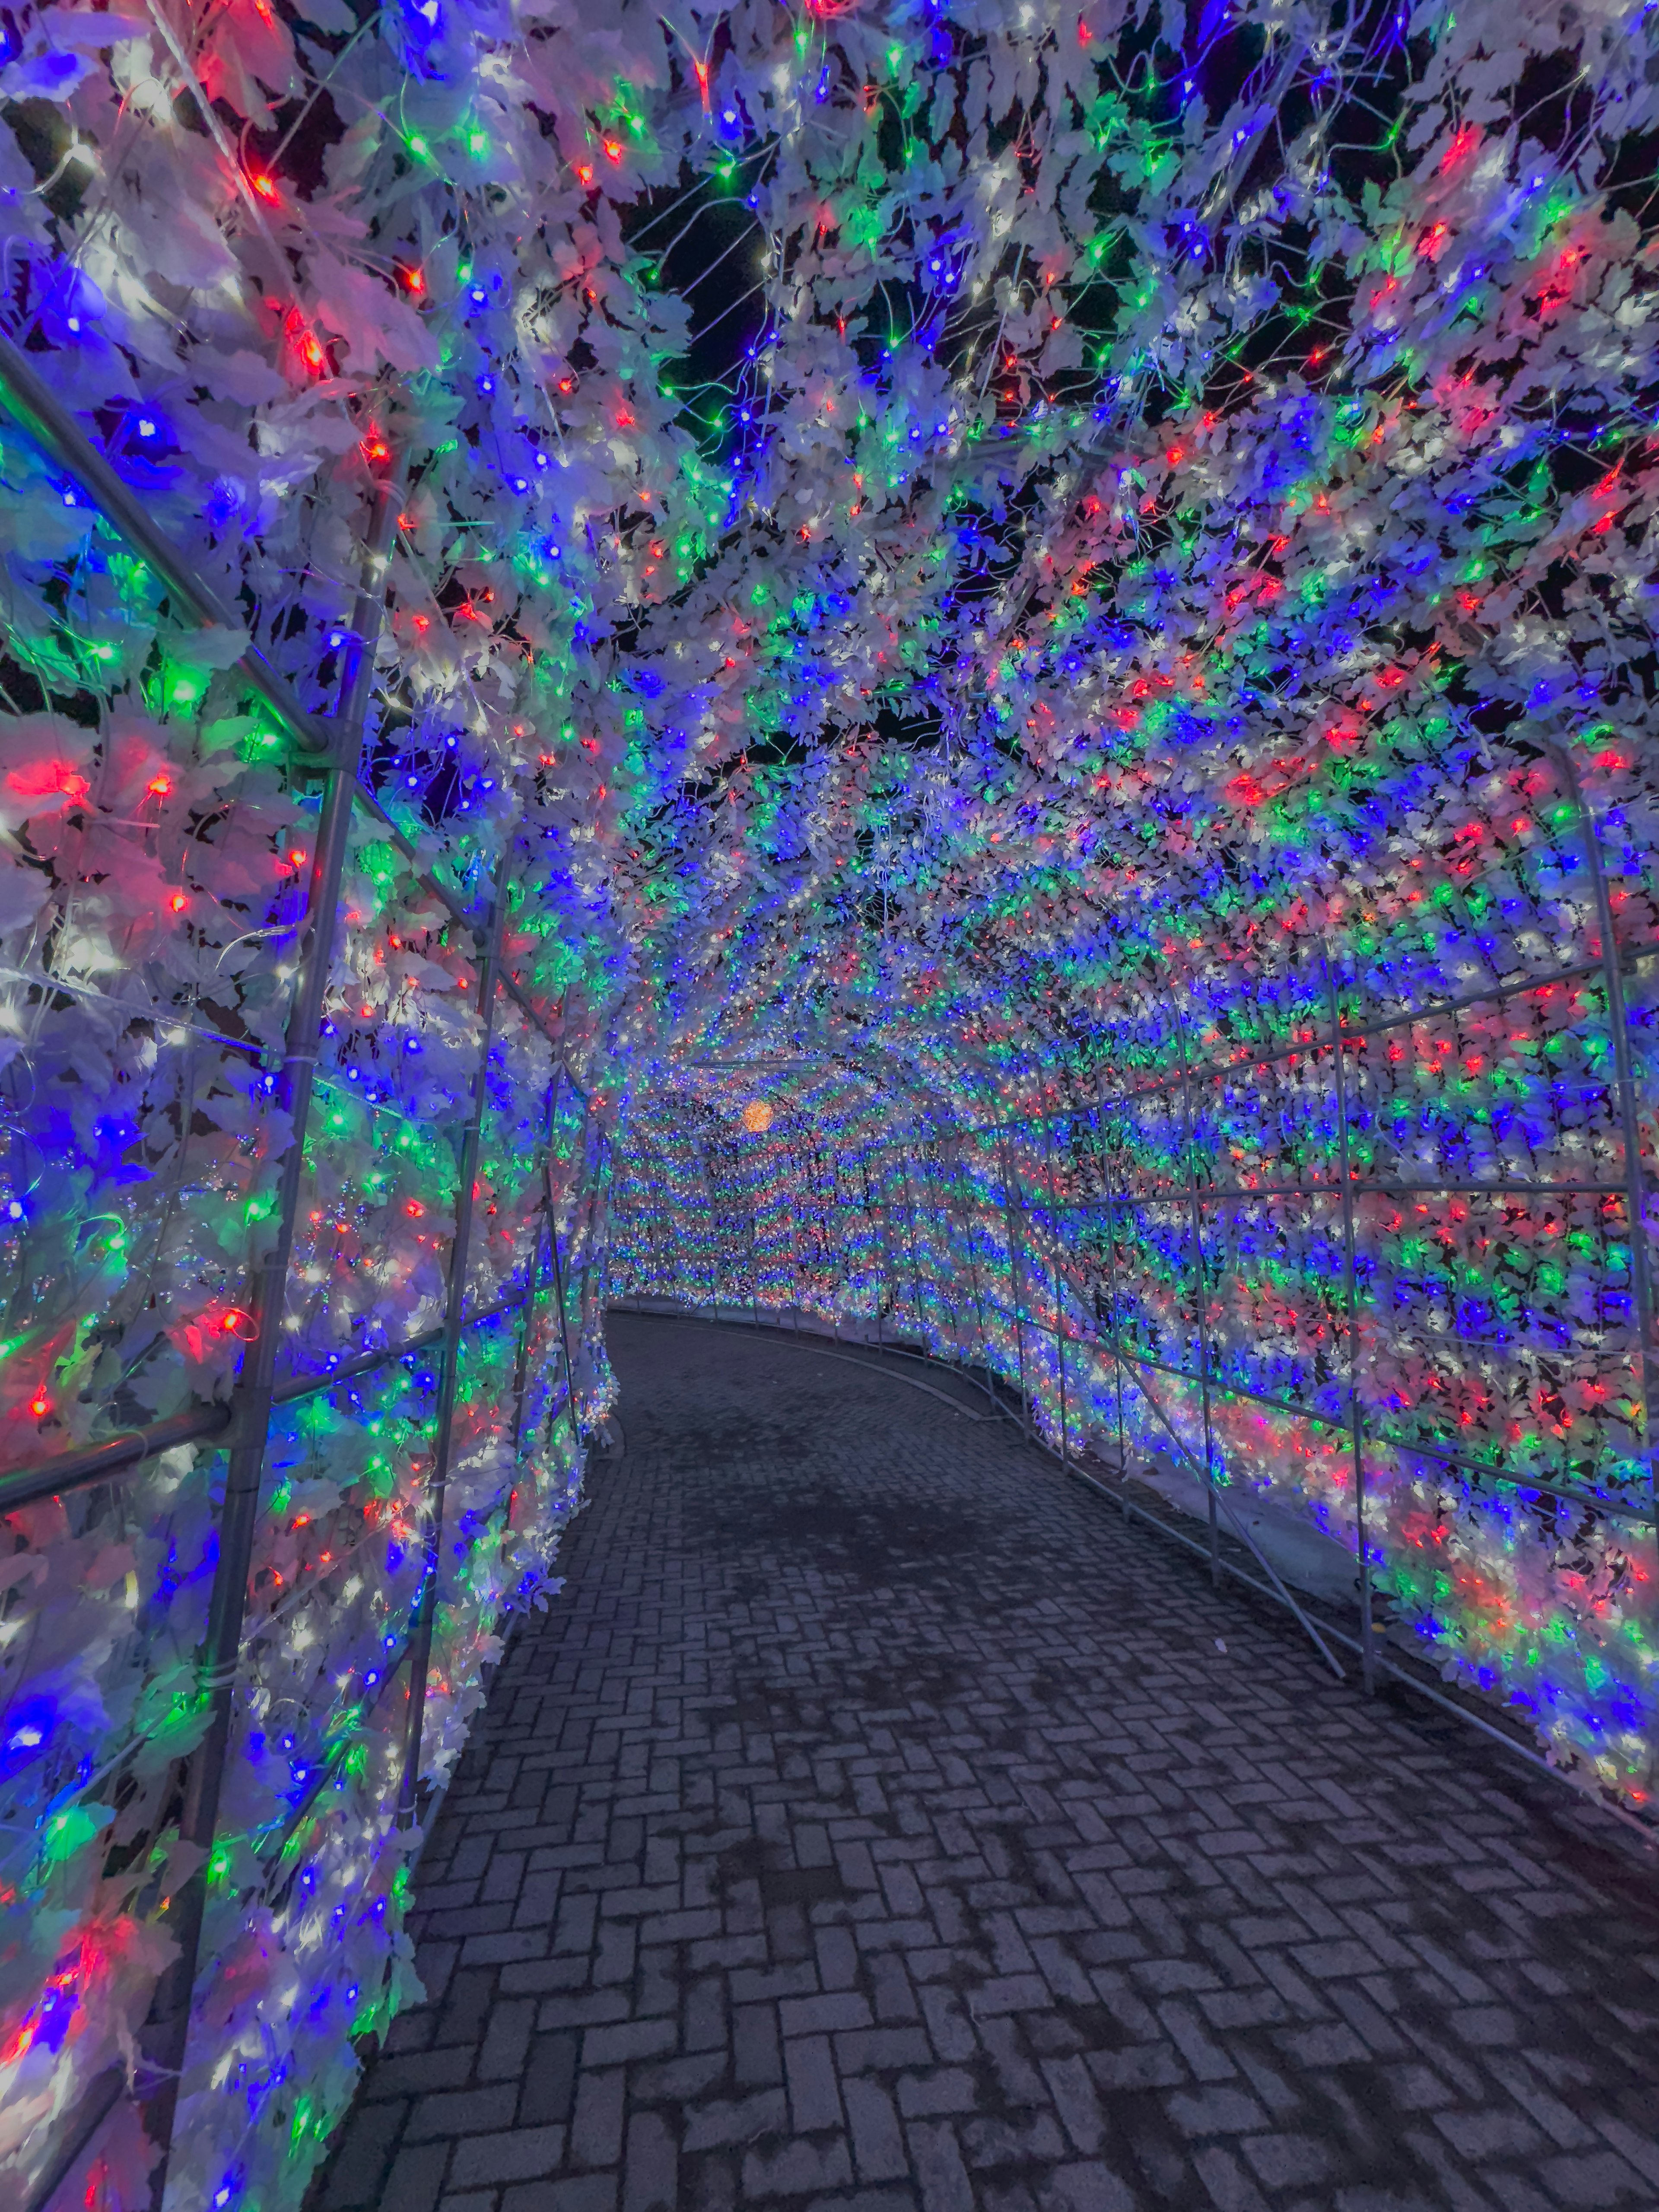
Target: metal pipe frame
pixel 944 1205
pixel 1410 1446
pixel 910 1240
pixel 558 1292
pixel 460 1256
pixel 1202 1295
pixel 880 1284
pixel 1015 1276
pixel 1117 1362
pixel 1345 1188
pixel 1206 1071
pixel 166 2032
pixel 53 429
pixel 1350 1292
pixel 971 1240
pixel 1059 1309
pixel 521 1359
pixel 1348 1187
pixel 1630 1122
pixel 1361 1187
pixel 114 1460
pixel 754 1263
pixel 333 743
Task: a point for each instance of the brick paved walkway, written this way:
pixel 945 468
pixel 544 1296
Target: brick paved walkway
pixel 876 1821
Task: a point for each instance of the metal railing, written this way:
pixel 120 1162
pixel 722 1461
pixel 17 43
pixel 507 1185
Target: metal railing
pixel 1320 1629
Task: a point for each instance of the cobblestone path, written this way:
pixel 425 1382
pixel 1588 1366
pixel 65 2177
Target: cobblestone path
pixel 877 1821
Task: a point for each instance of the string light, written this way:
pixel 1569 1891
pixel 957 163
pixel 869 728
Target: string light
pixel 999 656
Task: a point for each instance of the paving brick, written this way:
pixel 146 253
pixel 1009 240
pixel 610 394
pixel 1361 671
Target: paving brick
pixel 1075 2101
pixel 872 1826
pixel 359 2166
pixel 937 2156
pixel 948 2024
pixel 756 2056
pixel 1029 2139
pixel 1214 2111
pixel 814 2096
pixel 417 2072
pixel 811 2016
pixel 866 2051
pixel 1230 2188
pixel 516 2154
pixel 581 2192
pixel 628 2038
pixel 1086 2186
pixel 547 2088
pixel 1489 2134
pixel 413 2183
pixel 877 2145
pixel 506 2039
pixel 596 2125
pixel 466 2112
pixel 797 2168
pixel 651 2169
pixel 1287 2161
pixel 942 2089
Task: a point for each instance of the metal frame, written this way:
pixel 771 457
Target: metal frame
pixel 1345 1188
pixel 460 1257
pixel 332 745
pixel 168 2030
pixel 1247 1059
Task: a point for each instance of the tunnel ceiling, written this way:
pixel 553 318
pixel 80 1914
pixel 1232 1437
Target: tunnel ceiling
pixel 1176 475
pixel 950 526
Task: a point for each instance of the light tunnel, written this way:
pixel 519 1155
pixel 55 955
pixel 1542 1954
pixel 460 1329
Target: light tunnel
pixel 967 681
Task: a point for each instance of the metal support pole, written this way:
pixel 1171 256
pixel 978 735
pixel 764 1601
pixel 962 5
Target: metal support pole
pixel 166 2032
pixel 588 1240
pixel 881 1282
pixel 534 1288
pixel 53 428
pixel 714 1239
pixel 910 1239
pixel 754 1259
pixel 968 1214
pixel 889 1271
pixel 1351 1288
pixel 564 1324
pixel 1191 1150
pixel 941 1249
pixel 1015 1279
pixel 944 1215
pixel 1060 1310
pixel 669 1258
pixel 1629 1121
pixel 1116 1330
pixel 945 1287
pixel 419 1646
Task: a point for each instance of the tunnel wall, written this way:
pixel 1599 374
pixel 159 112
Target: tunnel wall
pixel 142 1202
pixel 301 1200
